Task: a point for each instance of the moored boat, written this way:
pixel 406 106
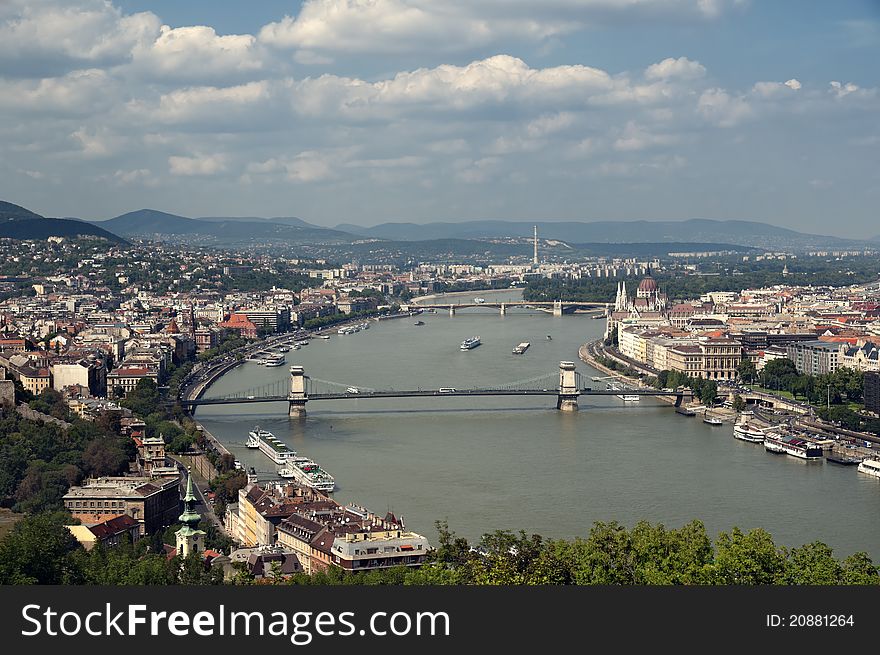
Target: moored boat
pixel 745 431
pixel 712 420
pixel 794 446
pixel 870 467
pixel 270 446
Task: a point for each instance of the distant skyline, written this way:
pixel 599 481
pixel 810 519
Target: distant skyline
pixel 373 111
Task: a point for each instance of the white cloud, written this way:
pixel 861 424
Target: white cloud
pixel 722 109
pixel 501 79
pixel 776 89
pixel 681 68
pixel 842 90
pixel 205 103
pixel 397 26
pixel 636 137
pixel 198 53
pixel 58 35
pixel 199 165
pixel 98 141
pixel 78 93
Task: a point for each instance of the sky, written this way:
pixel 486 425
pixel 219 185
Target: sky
pixel 372 111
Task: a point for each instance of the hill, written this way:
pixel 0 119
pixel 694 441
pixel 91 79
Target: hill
pixel 17 222
pixel 162 226
pixel 745 233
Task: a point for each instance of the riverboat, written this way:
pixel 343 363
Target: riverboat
pixel 270 446
pixel 471 343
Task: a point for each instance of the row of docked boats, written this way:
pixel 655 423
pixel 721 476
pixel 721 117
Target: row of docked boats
pixel 351 329
pixel 292 466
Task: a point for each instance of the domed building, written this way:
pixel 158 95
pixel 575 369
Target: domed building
pixel 649 307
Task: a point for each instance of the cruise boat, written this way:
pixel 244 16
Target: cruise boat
pixel 307 472
pixel 270 446
pixel 479 301
pixel 521 348
pixel 800 448
pixel 469 344
pixel 285 472
pixel 870 467
pixel 274 360
pixel 301 343
pixel 324 336
pixel 283 349
pixel 745 431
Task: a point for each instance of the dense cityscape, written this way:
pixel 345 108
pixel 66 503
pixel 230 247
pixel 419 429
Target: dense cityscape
pixel 108 475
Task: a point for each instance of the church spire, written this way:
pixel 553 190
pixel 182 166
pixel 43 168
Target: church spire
pixel 189 538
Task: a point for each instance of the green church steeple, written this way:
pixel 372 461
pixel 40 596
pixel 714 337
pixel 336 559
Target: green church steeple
pixel 189 538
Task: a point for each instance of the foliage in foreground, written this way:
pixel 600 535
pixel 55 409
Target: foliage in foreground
pixel 39 550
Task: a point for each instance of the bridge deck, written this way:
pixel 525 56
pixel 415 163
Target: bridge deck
pixel 433 393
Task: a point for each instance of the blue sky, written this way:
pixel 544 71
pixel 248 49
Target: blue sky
pixel 367 111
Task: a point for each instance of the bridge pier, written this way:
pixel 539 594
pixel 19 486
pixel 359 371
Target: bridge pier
pixel 503 309
pixel 451 310
pixel 557 308
pixel 567 400
pixel 298 397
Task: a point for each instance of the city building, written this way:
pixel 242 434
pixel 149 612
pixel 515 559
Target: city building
pixel 153 503
pixel 814 357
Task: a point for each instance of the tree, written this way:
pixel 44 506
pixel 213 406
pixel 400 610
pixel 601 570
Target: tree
pixel 709 393
pixel 738 403
pixel 37 551
pixel 746 371
pixel 747 559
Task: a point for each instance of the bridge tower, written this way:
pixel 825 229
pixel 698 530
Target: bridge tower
pixel 557 308
pixel 298 396
pixel 567 400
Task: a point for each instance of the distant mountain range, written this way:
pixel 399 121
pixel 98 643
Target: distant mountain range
pixel 150 223
pixel 16 222
pixel 745 233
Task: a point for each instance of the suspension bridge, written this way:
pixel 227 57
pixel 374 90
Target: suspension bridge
pixel 566 384
pixel 555 307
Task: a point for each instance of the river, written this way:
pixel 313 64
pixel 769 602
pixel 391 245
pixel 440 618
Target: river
pixel 518 463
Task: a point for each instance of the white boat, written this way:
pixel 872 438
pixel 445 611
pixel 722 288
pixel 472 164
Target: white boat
pixel 521 348
pixel 352 390
pixel 800 448
pixel 470 344
pixel 301 343
pixel 629 397
pixel 286 472
pixel 870 467
pixel 307 472
pixel 745 431
pixel 325 336
pixel 274 360
pixel 712 420
pixel 270 446
pixel 283 349
pixel 773 446
pixel 479 301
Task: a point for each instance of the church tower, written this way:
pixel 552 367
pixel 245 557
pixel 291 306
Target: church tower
pixel 189 538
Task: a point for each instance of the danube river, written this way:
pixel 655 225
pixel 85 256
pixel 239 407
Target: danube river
pixel 518 463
